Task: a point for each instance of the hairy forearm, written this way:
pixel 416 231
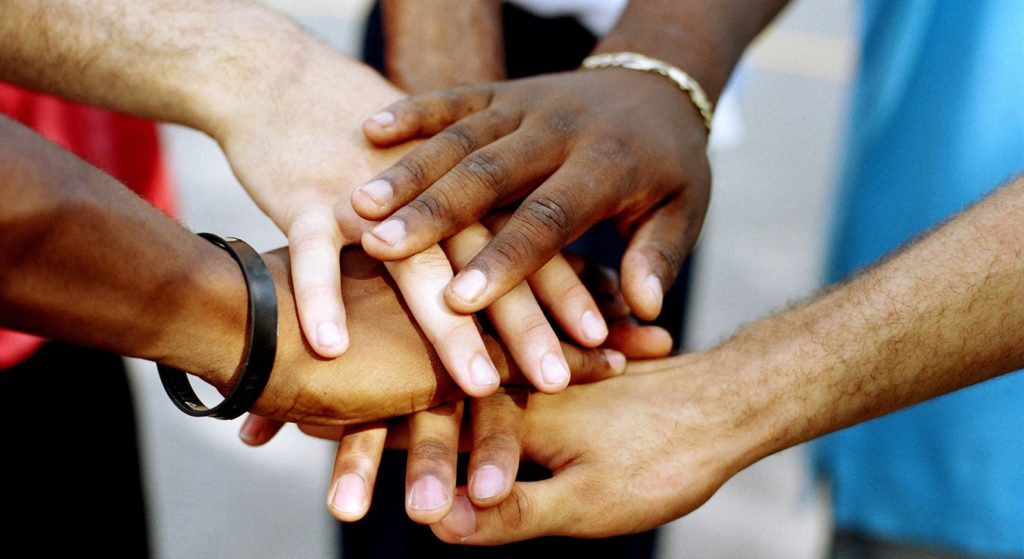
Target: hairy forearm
pixel 83 259
pixel 438 44
pixel 943 314
pixel 703 37
pixel 193 62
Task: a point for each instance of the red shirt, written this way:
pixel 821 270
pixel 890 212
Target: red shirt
pixel 127 148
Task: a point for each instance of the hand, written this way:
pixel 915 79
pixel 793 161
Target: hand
pixel 433 436
pixel 627 455
pixel 394 371
pixel 577 147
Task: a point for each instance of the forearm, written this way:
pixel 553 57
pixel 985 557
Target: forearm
pixel 85 260
pixel 944 314
pixel 705 38
pixel 439 44
pixel 193 62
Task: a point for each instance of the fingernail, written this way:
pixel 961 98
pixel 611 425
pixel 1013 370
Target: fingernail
pixel 251 430
pixel 482 372
pixel 654 286
pixel 391 231
pixel 428 493
pixel 488 481
pixel 469 285
pixel 461 521
pixel 383 118
pixel 616 360
pixel 349 494
pixel 328 335
pixel 554 370
pixel 378 191
pixel 593 327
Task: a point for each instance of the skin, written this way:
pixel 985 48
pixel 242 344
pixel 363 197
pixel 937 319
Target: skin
pixel 570 150
pixel 944 314
pixel 84 260
pixel 255 82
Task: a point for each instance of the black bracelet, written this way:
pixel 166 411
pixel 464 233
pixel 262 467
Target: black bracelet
pixel 261 344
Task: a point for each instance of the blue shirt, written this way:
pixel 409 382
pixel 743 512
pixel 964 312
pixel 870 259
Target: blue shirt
pixel 937 122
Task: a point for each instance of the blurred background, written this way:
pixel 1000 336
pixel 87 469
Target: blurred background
pixel 777 135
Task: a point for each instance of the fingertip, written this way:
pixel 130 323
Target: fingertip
pixel 616 360
pixel 331 339
pixel 464 293
pixel 487 484
pixel 483 377
pixel 554 373
pixel 594 328
pixel 252 432
pixel 349 498
pixel 459 524
pixel 371 200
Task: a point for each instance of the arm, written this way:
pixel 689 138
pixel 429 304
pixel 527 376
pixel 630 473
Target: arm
pixel 571 149
pixel 84 260
pixel 439 44
pixel 944 314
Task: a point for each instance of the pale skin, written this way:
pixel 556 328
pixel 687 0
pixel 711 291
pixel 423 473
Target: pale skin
pixel 285 109
pixel 943 314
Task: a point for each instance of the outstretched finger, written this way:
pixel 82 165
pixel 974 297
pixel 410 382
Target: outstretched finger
pixel 497 422
pixel 425 115
pixel 432 460
pixel 546 220
pixel 655 254
pixel 488 177
pixel 519 320
pixel 428 162
pixel 355 470
pixel 455 337
pixel 315 245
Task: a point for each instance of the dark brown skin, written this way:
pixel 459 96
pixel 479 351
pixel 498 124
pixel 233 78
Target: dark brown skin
pixel 570 150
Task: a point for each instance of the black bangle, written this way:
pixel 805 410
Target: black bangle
pixel 261 343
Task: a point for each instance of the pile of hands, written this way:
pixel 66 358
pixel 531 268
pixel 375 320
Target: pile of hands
pixel 472 220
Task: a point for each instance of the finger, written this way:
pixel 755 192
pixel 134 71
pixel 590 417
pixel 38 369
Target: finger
pixel 257 430
pixel 519 320
pixel 562 292
pixel 592 365
pixel 487 177
pixel 497 423
pixel 432 459
pixel 639 342
pixel 455 337
pixel 555 506
pixel 326 432
pixel 315 245
pixel 428 162
pixel 355 470
pixel 570 201
pixel 654 256
pixel 425 115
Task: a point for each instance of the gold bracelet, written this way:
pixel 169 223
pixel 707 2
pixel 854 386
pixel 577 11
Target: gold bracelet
pixel 635 61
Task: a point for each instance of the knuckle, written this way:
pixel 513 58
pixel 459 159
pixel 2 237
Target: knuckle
pixel 548 215
pixel 461 139
pixel 434 205
pixel 535 328
pixel 665 256
pixel 562 121
pixel 431 451
pixel 497 442
pixel 460 333
pixel 412 170
pixel 430 262
pixel 486 169
pixel 515 511
pixel 610 148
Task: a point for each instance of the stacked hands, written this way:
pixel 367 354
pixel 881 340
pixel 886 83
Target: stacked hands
pixel 491 147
